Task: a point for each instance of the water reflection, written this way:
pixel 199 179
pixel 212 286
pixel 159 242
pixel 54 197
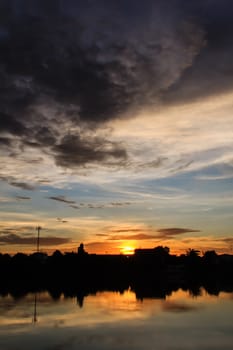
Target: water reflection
pixel 34 320
pixel 114 320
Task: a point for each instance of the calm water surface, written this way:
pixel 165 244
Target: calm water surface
pixel 111 320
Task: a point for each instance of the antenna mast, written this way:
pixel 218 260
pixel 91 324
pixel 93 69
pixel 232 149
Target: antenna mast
pixel 38 238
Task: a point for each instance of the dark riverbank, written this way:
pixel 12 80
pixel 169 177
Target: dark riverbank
pixel 149 273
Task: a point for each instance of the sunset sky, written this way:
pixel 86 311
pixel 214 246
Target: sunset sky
pixel 116 125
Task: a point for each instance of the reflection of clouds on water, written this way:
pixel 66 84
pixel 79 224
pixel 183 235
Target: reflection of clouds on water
pixel 122 336
pixel 178 307
pixel 118 321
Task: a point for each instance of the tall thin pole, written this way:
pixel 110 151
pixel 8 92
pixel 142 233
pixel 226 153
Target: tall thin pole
pixel 38 238
pixel 34 320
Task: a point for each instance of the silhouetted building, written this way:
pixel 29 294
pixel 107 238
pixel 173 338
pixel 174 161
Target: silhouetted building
pixel 81 250
pixel 151 251
pixel 144 251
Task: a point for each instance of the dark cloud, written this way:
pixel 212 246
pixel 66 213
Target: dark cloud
pixel 23 198
pixel 101 206
pixel 145 234
pixel 73 150
pixel 123 230
pixel 11 181
pixel 174 231
pixel 181 167
pixel 5 141
pixel 154 163
pixel 14 239
pixel 62 199
pixel 45 136
pixel 82 64
pixel 102 59
pixel 212 72
pixel 94 206
pixel 139 236
pixel 227 240
pixel 148 233
pixel 62 220
pixel 74 206
pixel 120 204
pixel 88 64
pixel 22 185
pixel 10 125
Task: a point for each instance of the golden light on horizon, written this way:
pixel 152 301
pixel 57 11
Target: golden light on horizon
pixel 127 250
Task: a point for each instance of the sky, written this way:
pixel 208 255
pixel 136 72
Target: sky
pixel 116 125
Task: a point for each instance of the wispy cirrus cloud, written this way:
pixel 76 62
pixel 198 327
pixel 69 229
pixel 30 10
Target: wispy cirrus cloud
pixel 62 199
pixel 145 233
pixel 23 185
pixel 136 237
pixel 26 198
pixel 227 240
pixel 75 205
pixel 119 204
pixel 125 230
pixel 175 231
pixel 16 239
pixel 13 182
pixel 214 177
pixel 105 205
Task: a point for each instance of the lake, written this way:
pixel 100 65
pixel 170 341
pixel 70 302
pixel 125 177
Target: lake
pixel 114 320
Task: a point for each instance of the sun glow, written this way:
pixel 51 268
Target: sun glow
pixel 127 250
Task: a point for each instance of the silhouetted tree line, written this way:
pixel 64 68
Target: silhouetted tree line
pixel 149 273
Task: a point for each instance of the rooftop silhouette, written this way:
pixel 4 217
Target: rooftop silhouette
pixel 148 272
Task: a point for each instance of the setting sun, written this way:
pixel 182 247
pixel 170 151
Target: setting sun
pixel 127 250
